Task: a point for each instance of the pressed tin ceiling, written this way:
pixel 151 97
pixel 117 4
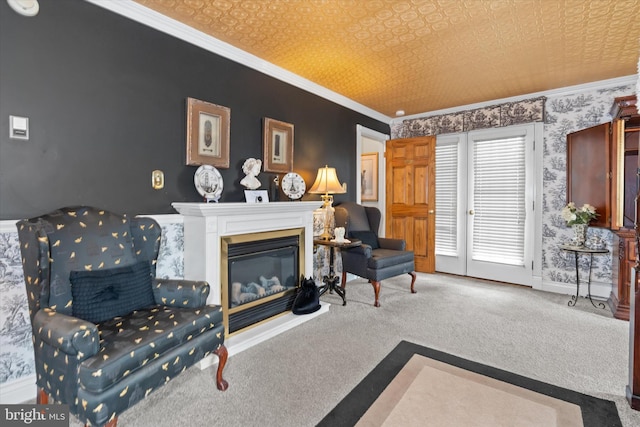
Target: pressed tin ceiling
pixel 426 55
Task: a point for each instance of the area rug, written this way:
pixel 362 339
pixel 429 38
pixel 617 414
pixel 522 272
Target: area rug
pixel 419 386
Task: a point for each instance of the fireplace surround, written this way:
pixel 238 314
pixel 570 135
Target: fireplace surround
pixel 207 226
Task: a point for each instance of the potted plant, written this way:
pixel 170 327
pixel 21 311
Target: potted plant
pixel 579 219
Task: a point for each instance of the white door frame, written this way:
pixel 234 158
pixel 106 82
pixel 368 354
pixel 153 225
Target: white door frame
pixel 381 138
pixel 447 263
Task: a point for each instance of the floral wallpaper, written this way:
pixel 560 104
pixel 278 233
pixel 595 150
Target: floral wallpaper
pixel 561 114
pixel 16 350
pixel 171 256
pixel 566 114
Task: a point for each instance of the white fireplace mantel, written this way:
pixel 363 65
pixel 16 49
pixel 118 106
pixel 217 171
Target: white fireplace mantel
pixel 206 223
pixel 253 209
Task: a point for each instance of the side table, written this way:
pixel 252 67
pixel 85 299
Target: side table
pixel 331 281
pixel 583 250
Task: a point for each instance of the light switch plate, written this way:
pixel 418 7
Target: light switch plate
pixel 157 179
pixel 18 127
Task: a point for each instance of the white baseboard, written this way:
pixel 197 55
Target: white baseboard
pixel 21 390
pixel 599 290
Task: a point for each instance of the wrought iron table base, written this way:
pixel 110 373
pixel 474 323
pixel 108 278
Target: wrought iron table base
pixel 574 298
pixel 331 284
pixel 332 280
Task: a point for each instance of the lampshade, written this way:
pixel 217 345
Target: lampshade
pixel 327 182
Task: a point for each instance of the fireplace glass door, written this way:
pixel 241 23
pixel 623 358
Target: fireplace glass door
pixel 262 277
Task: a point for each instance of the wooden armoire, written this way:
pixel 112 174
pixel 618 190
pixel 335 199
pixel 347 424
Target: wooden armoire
pixel 633 388
pixel 602 165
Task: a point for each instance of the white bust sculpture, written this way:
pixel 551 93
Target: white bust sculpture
pixel 251 169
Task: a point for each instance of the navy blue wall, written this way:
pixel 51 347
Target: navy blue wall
pixel 106 101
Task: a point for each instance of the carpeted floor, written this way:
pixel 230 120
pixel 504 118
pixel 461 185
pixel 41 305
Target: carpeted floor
pixel 415 386
pixel 295 379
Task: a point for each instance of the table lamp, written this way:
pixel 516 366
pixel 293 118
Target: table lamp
pixel 327 184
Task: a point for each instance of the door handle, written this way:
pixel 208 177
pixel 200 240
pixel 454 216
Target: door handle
pixel 472 212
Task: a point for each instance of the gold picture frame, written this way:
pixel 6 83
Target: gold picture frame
pixel 369 177
pixel 208 129
pixel 277 146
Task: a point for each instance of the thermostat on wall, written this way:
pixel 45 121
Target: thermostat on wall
pixel 18 127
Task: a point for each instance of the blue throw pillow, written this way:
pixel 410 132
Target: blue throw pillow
pixel 367 237
pixel 104 294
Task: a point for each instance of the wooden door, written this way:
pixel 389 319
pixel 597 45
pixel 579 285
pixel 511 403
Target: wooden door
pixel 589 171
pixel 411 196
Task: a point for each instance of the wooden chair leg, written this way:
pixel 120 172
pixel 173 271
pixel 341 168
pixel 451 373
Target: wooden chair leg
pixel 222 354
pixel 343 281
pixel 43 397
pixel 413 281
pixel 376 290
pixel 111 423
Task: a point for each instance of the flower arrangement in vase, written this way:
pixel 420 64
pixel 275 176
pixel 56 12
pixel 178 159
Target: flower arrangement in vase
pixel 579 219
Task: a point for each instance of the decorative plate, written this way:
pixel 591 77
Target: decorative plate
pixel 293 185
pixel 208 182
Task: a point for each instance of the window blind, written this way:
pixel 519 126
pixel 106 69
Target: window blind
pixel 447 199
pixel 499 200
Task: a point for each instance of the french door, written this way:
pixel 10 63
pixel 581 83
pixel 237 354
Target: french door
pixel 451 204
pixel 485 185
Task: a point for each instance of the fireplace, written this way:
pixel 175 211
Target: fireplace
pixel 260 273
pixel 210 227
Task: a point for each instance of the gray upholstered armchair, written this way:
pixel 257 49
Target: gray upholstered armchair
pixel 106 333
pixel 378 258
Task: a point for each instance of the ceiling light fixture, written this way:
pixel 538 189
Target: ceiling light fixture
pixel 25 7
pixel 400 113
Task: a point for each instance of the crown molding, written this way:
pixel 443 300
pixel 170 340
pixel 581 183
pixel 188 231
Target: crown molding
pixel 563 91
pixel 139 13
pixel 136 12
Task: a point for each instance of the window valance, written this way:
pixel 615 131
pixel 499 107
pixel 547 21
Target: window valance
pixel 494 116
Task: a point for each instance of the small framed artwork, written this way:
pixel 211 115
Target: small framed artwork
pixel 256 196
pixel 369 177
pixel 277 146
pixel 208 127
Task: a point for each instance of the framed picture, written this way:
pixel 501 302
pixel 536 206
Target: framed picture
pixel 207 134
pixel 369 177
pixel 256 196
pixel 277 146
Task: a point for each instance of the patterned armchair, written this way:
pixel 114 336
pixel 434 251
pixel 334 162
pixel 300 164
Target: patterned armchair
pixel 106 332
pixel 378 258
